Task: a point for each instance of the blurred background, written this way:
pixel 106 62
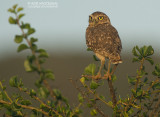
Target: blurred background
pixel 61 31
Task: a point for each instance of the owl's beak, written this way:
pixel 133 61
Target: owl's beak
pixel 95 21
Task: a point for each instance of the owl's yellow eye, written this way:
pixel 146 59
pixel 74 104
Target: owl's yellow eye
pixel 90 18
pixel 100 17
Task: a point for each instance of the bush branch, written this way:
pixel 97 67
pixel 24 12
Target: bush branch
pixel 36 60
pixel 39 100
pixel 26 107
pixel 86 97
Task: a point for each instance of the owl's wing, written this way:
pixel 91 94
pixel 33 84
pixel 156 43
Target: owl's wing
pixel 115 36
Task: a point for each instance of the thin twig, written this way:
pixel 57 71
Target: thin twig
pixel 5 92
pixel 138 77
pixel 112 92
pixel 38 99
pixel 136 85
pixel 26 107
pixel 153 83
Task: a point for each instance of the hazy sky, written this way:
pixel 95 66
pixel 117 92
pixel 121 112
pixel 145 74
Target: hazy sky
pixel 62 29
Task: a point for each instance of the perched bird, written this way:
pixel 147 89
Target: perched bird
pixel 103 39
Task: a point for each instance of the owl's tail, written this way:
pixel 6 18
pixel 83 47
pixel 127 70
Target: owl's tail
pixel 116 59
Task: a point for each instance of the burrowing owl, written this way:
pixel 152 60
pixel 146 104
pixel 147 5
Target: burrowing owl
pixel 103 39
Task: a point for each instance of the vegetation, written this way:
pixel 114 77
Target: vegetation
pixel 144 99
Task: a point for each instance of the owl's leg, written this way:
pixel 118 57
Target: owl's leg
pixel 108 75
pixel 102 58
pixel 99 72
pixel 115 66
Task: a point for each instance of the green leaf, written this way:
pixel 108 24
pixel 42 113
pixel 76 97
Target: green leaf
pixel 34 47
pixel 134 52
pixel 11 10
pixel 95 58
pixel 41 61
pixel 20 15
pixel 93 112
pixel 150 60
pixel 88 49
pixel 43 53
pixel 156 72
pixel 90 69
pixel 12 20
pixel 38 83
pixel 145 80
pixel 35 113
pixel 110 103
pixel 131 80
pixel 24 89
pixel 31 58
pixel 130 111
pixel 89 105
pixel 157 86
pixel 93 85
pixel 80 98
pixel 144 50
pixel 32 39
pixel 41 50
pixel 50 76
pixel 82 80
pixel 125 114
pixel 157 67
pixel 4 88
pixel 31 31
pixel 22 47
pixel 20 83
pixel 26 102
pixel 139 50
pixel 42 106
pixel 93 101
pixel 13 81
pixel 15 6
pixel 139 92
pixel 19 9
pixel 133 92
pixel 25 26
pixel 150 51
pixel 3 96
pixel 57 93
pixel 18 38
pixel 102 97
pixel 32 93
pixel 27 66
pixel 113 78
pixel 135 60
pixel 43 92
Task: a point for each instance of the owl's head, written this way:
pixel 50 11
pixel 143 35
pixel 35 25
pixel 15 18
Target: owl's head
pixel 98 18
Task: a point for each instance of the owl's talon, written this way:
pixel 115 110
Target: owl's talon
pixel 107 76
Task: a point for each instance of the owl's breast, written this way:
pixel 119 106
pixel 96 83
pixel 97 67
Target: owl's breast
pixel 95 37
pixel 103 39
